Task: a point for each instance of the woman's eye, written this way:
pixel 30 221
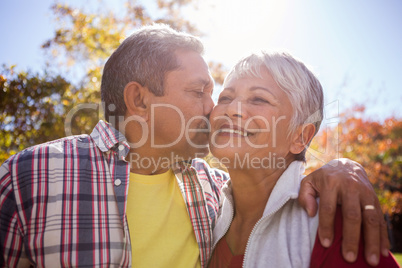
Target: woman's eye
pixel 260 100
pixel 223 99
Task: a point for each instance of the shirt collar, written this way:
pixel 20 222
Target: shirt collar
pixel 181 167
pixel 108 138
pixel 287 187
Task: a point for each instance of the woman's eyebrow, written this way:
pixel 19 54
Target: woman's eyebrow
pixel 228 88
pixel 265 89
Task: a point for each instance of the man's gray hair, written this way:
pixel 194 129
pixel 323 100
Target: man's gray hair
pixel 295 79
pixel 144 57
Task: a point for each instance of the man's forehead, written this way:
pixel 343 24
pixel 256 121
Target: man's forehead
pixel 201 81
pixel 191 75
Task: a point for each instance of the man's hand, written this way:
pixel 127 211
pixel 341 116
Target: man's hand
pixel 343 181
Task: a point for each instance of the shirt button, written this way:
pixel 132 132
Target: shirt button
pixel 121 147
pixel 117 182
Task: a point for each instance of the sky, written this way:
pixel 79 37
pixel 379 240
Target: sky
pixel 353 46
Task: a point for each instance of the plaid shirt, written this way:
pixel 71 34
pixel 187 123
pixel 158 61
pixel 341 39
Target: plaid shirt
pixel 63 203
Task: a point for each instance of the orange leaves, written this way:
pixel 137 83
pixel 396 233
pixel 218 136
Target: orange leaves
pixel 218 72
pixel 377 146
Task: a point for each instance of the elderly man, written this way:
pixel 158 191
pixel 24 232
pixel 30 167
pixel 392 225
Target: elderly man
pixel 133 193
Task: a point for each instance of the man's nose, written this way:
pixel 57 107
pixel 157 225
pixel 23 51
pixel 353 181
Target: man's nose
pixel 208 105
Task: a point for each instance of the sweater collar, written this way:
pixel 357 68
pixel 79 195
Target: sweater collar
pixel 287 187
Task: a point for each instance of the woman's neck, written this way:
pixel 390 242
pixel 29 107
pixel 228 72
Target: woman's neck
pixel 251 190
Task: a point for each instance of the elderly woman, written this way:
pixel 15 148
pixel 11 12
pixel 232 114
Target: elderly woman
pixel 268 112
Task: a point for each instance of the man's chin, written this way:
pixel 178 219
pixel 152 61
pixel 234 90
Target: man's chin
pixel 201 152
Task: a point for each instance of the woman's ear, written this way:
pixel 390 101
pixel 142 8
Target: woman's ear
pixel 301 138
pixel 135 98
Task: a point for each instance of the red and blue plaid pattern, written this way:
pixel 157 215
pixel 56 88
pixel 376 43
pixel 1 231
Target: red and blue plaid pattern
pixel 63 203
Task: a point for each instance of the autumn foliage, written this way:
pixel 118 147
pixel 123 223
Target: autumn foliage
pixel 376 145
pixel 34 106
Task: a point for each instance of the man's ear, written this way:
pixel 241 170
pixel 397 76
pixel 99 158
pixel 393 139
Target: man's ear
pixel 301 138
pixel 136 99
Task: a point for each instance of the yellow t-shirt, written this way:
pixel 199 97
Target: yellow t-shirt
pixel 160 228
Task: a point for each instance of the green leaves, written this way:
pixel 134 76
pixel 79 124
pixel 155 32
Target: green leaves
pixel 27 102
pixel 37 108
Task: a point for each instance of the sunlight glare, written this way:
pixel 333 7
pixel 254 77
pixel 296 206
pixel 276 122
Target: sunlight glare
pixel 235 28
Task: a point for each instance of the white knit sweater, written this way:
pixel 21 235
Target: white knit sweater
pixel 285 235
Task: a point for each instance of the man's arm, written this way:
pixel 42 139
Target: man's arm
pixel 345 182
pixel 11 242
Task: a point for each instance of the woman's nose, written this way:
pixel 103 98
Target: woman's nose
pixel 235 109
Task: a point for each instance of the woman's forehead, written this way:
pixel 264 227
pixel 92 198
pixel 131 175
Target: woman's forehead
pixel 258 71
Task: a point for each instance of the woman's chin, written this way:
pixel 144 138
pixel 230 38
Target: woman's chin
pixel 228 156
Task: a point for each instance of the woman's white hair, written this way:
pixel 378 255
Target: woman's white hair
pixel 294 78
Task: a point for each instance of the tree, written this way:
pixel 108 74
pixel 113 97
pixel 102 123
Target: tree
pixel 36 108
pixel 376 145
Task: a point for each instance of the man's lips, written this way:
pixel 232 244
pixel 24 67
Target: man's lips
pixel 204 126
